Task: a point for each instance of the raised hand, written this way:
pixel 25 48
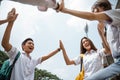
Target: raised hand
pixel 12 15
pixel 61 45
pixel 61 6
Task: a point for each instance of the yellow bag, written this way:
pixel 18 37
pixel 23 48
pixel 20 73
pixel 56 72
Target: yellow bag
pixel 80 76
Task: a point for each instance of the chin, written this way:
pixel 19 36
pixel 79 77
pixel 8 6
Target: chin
pixel 30 51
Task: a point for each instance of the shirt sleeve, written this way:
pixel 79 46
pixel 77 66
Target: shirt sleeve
pixel 77 60
pixel 114 15
pixel 101 52
pixel 12 53
pixel 36 61
pixel 39 60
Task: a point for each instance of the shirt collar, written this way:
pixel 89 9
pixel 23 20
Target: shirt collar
pixel 26 55
pixel 91 51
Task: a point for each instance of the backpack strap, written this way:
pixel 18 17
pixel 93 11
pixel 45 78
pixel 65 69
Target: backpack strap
pixel 81 58
pixel 17 56
pixel 12 66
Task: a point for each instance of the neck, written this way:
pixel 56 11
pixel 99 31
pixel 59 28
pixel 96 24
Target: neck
pixel 27 53
pixel 88 50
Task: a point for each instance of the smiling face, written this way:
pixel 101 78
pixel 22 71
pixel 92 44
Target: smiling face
pixel 28 46
pixel 86 44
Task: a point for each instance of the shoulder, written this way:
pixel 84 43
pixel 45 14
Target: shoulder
pixel 112 14
pixel 13 52
pixel 113 11
pixel 101 52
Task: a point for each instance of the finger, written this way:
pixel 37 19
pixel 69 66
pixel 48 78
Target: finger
pixel 60 5
pixel 16 15
pixel 13 11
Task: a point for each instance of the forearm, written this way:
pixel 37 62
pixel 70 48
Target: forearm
pixel 50 54
pixel 6 37
pixel 104 42
pixel 3 21
pixel 66 58
pixel 81 14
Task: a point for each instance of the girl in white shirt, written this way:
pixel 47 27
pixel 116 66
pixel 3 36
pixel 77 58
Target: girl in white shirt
pixel 103 13
pixel 92 59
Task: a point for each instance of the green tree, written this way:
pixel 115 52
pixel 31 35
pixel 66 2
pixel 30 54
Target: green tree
pixel 3 57
pixel 44 75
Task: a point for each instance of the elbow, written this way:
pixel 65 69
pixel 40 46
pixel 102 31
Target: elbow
pixel 68 64
pixel 3 44
pixel 6 46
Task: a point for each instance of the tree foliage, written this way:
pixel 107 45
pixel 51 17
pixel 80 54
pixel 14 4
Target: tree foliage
pixel 44 75
pixel 3 57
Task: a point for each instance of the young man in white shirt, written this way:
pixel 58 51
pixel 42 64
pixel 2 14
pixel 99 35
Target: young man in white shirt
pixel 25 65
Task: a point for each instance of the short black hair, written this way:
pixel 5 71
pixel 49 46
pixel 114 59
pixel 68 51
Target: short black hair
pixel 105 4
pixel 23 43
pixel 27 39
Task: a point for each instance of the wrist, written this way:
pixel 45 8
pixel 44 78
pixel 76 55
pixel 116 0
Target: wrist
pixel 58 49
pixel 65 10
pixel 57 7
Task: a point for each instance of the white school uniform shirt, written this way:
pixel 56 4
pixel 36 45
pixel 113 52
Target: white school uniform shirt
pixel 92 61
pixel 24 66
pixel 113 31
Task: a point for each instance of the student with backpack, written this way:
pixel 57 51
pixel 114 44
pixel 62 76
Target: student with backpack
pixel 25 65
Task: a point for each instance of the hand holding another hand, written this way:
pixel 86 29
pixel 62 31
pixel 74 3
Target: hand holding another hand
pixel 12 15
pixel 60 6
pixel 61 45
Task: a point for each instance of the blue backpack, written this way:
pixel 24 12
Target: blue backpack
pixel 6 70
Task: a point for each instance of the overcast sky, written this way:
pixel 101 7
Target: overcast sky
pixel 47 28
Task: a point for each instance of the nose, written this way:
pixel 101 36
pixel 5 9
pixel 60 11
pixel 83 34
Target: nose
pixel 85 42
pixel 32 44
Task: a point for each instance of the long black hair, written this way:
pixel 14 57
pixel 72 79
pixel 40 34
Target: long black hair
pixel 83 50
